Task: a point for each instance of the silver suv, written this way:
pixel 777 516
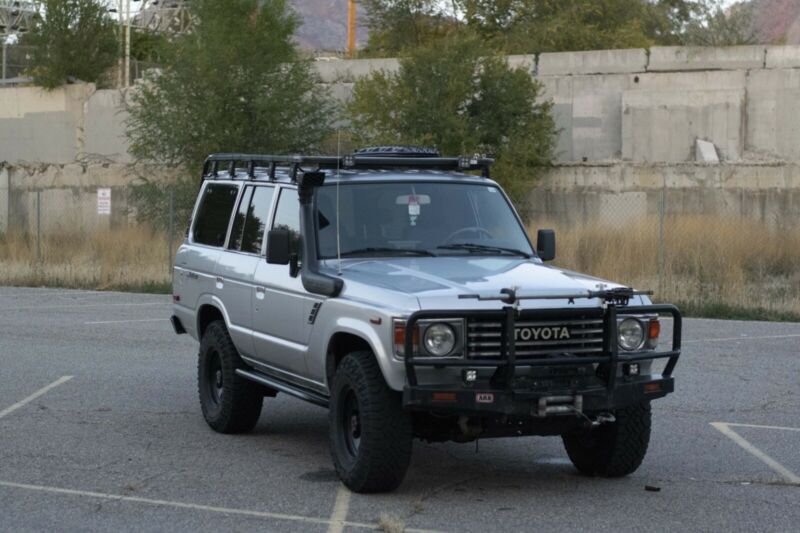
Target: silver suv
pixel 399 289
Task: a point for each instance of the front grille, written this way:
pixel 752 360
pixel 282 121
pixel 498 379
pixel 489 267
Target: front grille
pixel 585 336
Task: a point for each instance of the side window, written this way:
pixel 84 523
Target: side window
pixel 238 220
pixel 288 217
pixel 256 221
pixel 214 213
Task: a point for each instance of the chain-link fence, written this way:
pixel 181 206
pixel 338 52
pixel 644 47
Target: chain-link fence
pixel 714 253
pixel 88 239
pixel 17 60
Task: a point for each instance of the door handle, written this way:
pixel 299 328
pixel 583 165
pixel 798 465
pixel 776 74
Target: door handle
pixel 220 282
pixel 260 292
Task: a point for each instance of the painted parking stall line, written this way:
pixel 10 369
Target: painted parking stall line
pixel 103 322
pixel 194 506
pixel 746 445
pixel 60 381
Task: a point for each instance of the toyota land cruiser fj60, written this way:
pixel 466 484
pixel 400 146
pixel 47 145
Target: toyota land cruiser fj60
pixel 399 290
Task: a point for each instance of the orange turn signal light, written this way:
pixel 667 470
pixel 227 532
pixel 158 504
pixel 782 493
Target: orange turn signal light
pixel 654 330
pixel 400 337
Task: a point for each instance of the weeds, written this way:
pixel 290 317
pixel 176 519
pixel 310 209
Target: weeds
pixel 717 267
pixel 723 267
pixel 124 258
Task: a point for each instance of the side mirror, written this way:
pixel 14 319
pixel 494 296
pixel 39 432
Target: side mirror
pixel 278 247
pixel 546 244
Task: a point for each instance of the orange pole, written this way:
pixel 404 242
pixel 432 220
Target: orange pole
pixel 351 28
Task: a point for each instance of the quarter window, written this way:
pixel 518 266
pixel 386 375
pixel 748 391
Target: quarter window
pixel 214 213
pixel 288 217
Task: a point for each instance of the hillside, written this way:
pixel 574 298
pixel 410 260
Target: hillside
pixel 325 25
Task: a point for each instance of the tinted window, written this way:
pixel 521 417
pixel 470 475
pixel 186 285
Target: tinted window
pixel 439 218
pixel 214 214
pixel 238 220
pixel 256 221
pixel 288 217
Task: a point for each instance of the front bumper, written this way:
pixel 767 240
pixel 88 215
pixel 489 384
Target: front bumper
pixel 505 394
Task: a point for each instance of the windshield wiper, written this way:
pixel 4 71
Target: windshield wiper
pixel 388 250
pixel 477 248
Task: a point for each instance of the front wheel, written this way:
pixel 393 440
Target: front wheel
pixel 370 434
pixel 614 449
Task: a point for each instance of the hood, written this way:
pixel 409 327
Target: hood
pixel 436 282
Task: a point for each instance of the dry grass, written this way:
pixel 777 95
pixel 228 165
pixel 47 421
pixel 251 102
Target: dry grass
pixel 125 258
pixel 711 264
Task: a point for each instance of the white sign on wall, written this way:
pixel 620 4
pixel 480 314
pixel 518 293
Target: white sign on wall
pixel 103 201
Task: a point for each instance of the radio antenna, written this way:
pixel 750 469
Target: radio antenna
pixel 338 181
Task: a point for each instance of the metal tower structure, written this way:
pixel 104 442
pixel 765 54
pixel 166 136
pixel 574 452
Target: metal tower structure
pixel 163 16
pixel 16 18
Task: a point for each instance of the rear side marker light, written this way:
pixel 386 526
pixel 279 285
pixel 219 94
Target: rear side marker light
pixel 176 298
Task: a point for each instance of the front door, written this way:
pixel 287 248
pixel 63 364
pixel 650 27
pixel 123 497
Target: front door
pixel 279 330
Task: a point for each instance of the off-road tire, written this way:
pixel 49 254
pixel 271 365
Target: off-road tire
pixel 614 449
pixel 236 406
pixel 380 459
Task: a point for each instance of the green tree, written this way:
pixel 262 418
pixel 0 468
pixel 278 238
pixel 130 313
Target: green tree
pixel 398 25
pixel 528 26
pixel 458 96
pixel 236 83
pixel 75 40
pixel 717 26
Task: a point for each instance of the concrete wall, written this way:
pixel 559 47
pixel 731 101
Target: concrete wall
pixel 650 106
pixel 633 105
pixel 618 193
pixel 611 193
pixel 68 195
pixel 72 123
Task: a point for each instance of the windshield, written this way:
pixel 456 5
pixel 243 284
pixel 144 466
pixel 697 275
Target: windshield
pixel 396 219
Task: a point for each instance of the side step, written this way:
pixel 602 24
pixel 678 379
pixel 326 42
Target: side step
pixel 282 386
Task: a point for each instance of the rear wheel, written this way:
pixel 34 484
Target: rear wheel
pixel 230 403
pixel 370 434
pixel 614 449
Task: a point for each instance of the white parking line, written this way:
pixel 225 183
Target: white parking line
pixel 760 337
pixel 165 320
pixel 761 427
pixel 43 390
pixel 81 305
pixel 340 508
pixel 763 457
pixel 192 506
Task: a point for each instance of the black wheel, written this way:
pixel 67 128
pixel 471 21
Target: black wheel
pixel 614 449
pixel 230 403
pixel 370 434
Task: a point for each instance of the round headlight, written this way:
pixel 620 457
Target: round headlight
pixel 439 339
pixel 630 333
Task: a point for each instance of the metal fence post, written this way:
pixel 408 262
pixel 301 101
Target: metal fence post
pixel 661 251
pixel 38 227
pixel 5 45
pixel 171 229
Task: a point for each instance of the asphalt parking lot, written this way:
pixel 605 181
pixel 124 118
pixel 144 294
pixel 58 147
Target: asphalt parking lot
pixel 100 429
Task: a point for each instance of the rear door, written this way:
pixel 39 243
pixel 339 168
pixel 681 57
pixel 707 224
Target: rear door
pixel 196 261
pixel 237 264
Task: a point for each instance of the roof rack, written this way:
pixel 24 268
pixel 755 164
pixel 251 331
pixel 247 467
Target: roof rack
pixel 216 163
